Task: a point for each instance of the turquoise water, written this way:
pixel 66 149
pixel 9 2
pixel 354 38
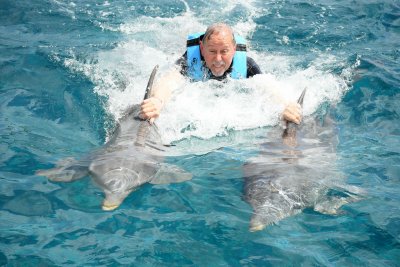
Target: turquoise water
pixel 69 69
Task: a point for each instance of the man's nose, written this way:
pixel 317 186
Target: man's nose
pixel 219 56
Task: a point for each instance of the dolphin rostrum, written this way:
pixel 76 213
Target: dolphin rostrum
pixel 133 156
pixel 284 179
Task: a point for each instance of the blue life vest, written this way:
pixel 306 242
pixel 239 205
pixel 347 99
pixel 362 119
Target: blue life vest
pixel 195 67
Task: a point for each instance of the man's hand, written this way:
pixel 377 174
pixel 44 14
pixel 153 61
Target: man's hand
pixel 292 113
pixel 150 108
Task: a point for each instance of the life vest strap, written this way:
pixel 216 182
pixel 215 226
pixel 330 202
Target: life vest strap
pixel 241 47
pixel 193 42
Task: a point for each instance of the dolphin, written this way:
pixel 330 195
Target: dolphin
pixel 290 176
pixel 133 156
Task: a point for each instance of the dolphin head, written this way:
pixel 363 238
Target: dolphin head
pixel 117 184
pixel 269 216
pixel 263 218
pixel 276 206
pixel 119 176
pixel 113 200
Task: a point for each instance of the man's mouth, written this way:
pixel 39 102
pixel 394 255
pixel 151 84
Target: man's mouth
pixel 219 65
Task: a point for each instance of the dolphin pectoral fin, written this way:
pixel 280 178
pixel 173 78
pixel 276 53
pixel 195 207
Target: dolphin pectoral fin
pixel 170 174
pixel 353 191
pixel 66 170
pixel 332 205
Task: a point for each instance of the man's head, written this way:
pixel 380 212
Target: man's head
pixel 218 48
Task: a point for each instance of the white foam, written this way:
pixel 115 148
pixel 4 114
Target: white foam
pixel 209 109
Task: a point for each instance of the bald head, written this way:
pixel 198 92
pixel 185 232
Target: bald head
pixel 219 29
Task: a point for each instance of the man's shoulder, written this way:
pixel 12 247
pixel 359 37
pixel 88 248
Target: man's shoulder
pixel 250 61
pixel 182 59
pixel 252 67
pixel 182 63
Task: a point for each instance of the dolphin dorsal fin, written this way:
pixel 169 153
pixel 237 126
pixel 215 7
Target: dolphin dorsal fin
pixel 149 87
pixel 301 98
pixel 168 174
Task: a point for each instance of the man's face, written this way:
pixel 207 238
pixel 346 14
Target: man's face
pixel 218 52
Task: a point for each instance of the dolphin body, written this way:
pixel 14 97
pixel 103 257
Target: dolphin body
pixel 133 156
pixel 287 177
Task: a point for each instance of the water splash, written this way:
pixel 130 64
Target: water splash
pixel 209 109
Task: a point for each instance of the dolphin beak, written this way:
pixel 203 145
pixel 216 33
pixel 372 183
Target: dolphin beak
pixel 114 200
pixel 256 223
pixel 109 206
pixel 258 227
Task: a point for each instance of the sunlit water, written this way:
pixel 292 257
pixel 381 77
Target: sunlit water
pixel 68 70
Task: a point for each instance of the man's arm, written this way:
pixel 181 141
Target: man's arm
pixel 252 67
pixel 151 107
pixel 292 111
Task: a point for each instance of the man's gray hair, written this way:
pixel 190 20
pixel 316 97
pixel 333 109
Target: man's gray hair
pixel 218 28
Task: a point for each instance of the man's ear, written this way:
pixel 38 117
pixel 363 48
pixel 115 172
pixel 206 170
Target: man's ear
pixel 201 47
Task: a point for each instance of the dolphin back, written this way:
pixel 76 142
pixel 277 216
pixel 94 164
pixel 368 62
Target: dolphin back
pixel 149 87
pixel 132 129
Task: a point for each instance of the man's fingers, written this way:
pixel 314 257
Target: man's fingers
pixel 149 114
pixel 293 113
pixel 148 109
pixel 296 117
pixel 293 118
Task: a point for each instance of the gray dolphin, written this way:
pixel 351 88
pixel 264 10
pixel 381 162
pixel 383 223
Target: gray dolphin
pixel 287 177
pixel 133 156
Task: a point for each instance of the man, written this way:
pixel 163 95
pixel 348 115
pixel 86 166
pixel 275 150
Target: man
pixel 214 55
